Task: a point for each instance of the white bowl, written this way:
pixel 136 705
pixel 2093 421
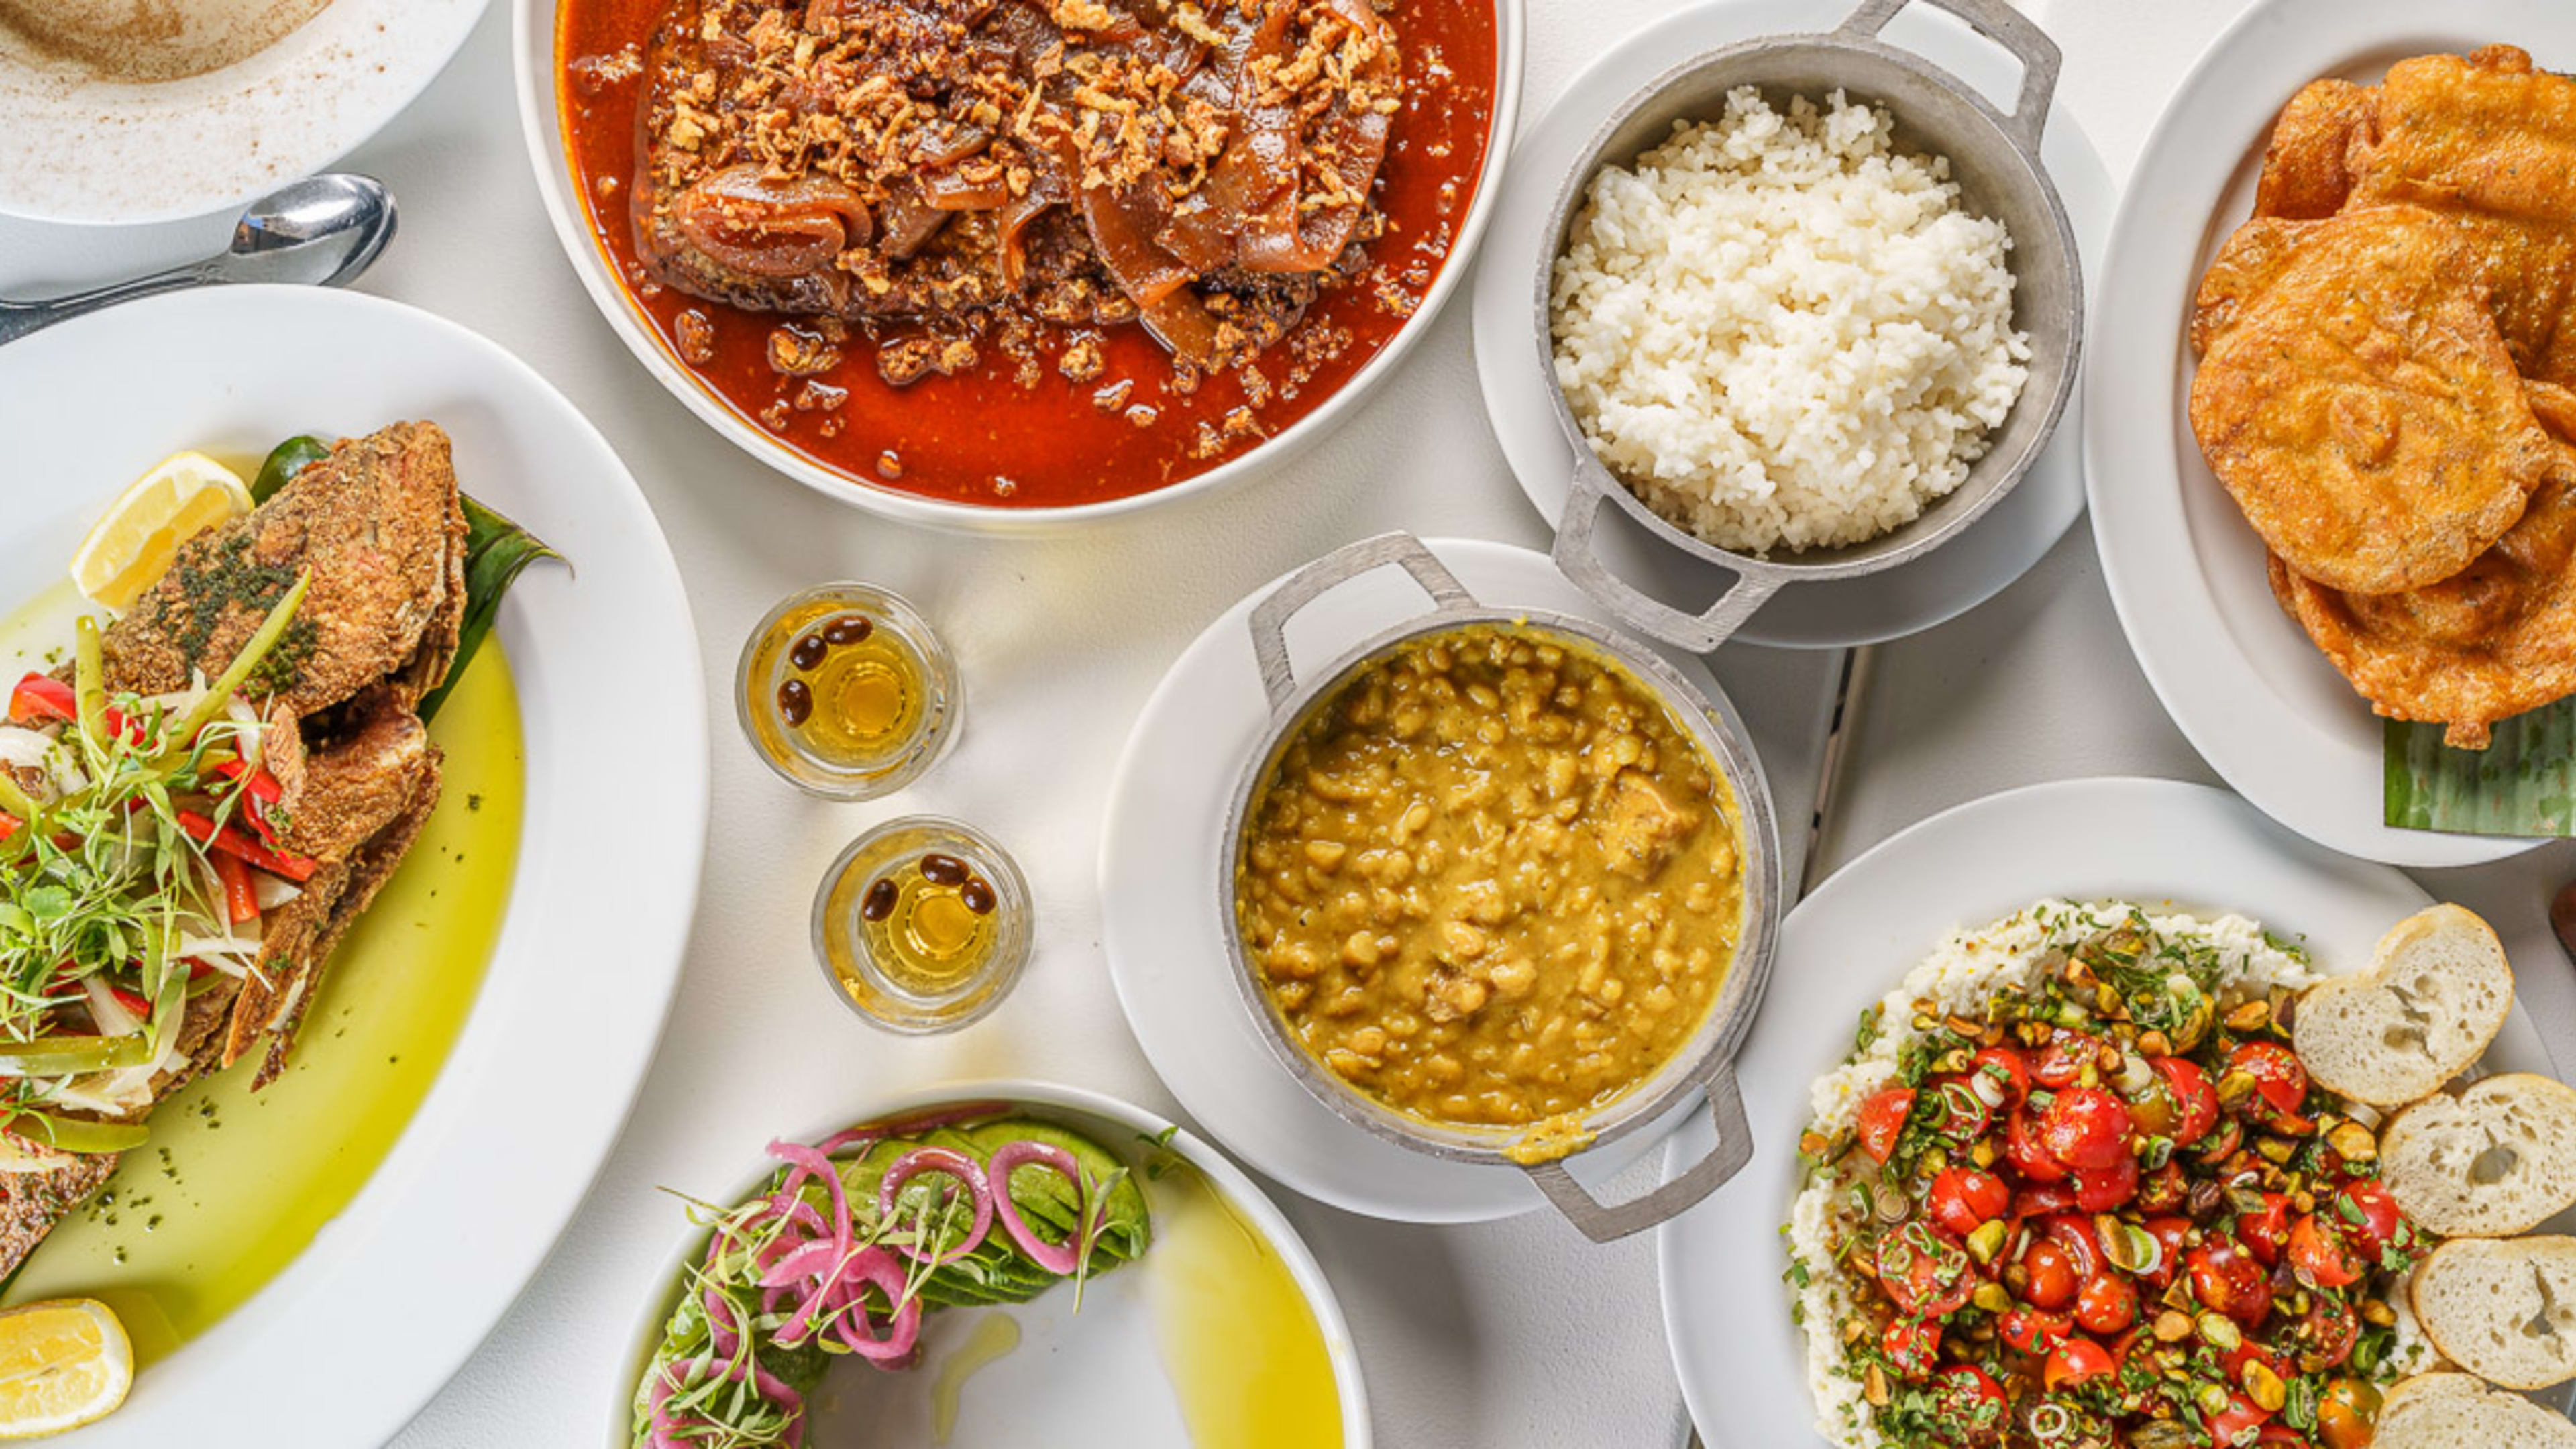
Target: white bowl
pixel 533 48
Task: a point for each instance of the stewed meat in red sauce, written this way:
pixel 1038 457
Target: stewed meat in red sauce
pixel 1026 252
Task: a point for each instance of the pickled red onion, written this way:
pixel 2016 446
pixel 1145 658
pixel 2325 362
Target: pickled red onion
pixel 666 1382
pixel 948 1163
pixel 1058 1258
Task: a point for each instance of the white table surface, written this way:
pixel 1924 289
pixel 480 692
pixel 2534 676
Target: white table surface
pixel 1514 1335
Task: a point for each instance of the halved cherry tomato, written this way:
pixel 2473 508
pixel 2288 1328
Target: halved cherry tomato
pixel 2279 1080
pixel 1963 1199
pixel 2169 1233
pixel 2085 1127
pixel 2225 1277
pixel 1955 1112
pixel 2324 1336
pixel 1913 1347
pixel 2371 1218
pixel 2062 1062
pixel 2229 1425
pixel 2319 1254
pixel 2040 1202
pixel 2076 1361
pixel 2107 1304
pixel 2074 1232
pixel 1923 1270
pixel 2106 1189
pixel 2021 1146
pixel 2266 1230
pixel 1882 1120
pixel 2195 1100
pixel 2053 1279
pixel 2034 1331
pixel 2222 1140
pixel 1969 1406
pixel 2164 1190
pixel 2348 1414
pixel 2006 1068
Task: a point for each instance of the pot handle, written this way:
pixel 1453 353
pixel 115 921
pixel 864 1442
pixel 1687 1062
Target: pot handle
pixel 1999 22
pixel 1608 1222
pixel 1270 617
pixel 1698 633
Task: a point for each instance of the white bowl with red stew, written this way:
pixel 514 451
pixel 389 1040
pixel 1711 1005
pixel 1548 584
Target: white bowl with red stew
pixel 1011 265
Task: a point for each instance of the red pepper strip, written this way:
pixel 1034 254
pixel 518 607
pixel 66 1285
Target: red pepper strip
pixel 199 970
pixel 261 795
pixel 40 698
pixel 141 1008
pixel 10 825
pixel 241 897
pixel 297 868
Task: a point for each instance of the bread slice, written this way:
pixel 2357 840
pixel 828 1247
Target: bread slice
pixel 2495 1161
pixel 2436 993
pixel 2459 1411
pixel 2505 1310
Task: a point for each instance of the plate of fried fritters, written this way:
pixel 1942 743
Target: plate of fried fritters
pixel 2331 433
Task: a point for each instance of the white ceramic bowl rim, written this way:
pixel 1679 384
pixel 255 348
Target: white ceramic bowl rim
pixel 533 44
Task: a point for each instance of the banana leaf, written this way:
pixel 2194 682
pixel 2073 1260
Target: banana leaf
pixel 2523 783
pixel 496 551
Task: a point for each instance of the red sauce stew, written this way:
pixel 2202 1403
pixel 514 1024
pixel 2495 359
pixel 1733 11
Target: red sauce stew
pixel 1006 432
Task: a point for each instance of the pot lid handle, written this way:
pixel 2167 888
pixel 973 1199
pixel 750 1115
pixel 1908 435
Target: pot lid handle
pixel 1607 1222
pixel 1270 617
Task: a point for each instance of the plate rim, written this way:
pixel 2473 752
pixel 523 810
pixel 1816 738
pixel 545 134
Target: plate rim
pixel 541 130
pixel 2133 460
pixel 448 1118
pixel 1236 1185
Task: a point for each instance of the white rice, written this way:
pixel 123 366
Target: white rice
pixel 1781 332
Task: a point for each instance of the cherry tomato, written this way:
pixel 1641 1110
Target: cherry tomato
pixel 2164 1190
pixel 1955 1112
pixel 2032 1331
pixel 2371 1219
pixel 2195 1100
pixel 1924 1270
pixel 2040 1202
pixel 2319 1254
pixel 1882 1118
pixel 2233 1424
pixel 2062 1062
pixel 2109 1188
pixel 2107 1304
pixel 2279 1080
pixel 2222 1141
pixel 2168 1233
pixel 2076 1361
pixel 2266 1230
pixel 2075 1234
pixel 2347 1414
pixel 2021 1146
pixel 1968 1405
pixel 2085 1127
pixel 1913 1347
pixel 2006 1068
pixel 2226 1278
pixel 2324 1335
pixel 2053 1280
pixel 1964 1199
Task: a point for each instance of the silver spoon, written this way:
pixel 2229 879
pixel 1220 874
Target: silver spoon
pixel 321 231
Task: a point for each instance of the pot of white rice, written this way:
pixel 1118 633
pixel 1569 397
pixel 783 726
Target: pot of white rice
pixel 1811 306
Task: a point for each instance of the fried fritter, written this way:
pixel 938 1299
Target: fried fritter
pixel 2308 167
pixel 2359 402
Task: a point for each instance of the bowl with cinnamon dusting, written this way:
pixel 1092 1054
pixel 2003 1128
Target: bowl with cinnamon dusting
pixel 1004 265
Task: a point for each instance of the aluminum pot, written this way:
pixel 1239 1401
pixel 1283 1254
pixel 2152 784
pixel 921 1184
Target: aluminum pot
pixel 1995 159
pixel 1706 1063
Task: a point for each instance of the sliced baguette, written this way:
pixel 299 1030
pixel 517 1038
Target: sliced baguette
pixel 2505 1310
pixel 2436 993
pixel 2493 1162
pixel 2459 1411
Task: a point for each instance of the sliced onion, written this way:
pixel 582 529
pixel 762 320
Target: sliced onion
pixel 948 1163
pixel 667 1433
pixel 876 1267
pixel 861 1138
pixel 1057 1258
pixel 804 1162
pixel 937 1117
pixel 273 890
pixel 112 1017
pixel 23 749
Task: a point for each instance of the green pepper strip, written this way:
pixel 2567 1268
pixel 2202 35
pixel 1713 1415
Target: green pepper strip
pixel 63 1056
pixel 16 801
pixel 204 711
pixel 89 680
pixel 88 1139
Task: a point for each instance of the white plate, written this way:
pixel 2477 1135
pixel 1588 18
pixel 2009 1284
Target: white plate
pixel 2186 573
pixel 101 152
pixel 1948 582
pixel 395 1292
pixel 1742 1362
pixel 1164 930
pixel 1092 1380
pixel 533 42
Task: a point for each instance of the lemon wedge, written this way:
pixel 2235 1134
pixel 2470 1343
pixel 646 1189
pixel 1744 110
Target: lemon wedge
pixel 62 1364
pixel 130 548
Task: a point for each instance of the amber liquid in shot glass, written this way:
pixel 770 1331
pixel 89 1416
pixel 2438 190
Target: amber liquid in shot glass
pixel 845 691
pixel 922 925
